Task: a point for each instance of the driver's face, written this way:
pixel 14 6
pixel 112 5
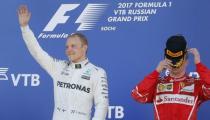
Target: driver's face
pixel 180 69
pixel 75 50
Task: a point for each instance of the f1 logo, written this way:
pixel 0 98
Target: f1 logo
pixel 59 16
pixel 87 18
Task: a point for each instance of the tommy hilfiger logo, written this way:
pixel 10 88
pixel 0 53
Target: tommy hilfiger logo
pixel 85 77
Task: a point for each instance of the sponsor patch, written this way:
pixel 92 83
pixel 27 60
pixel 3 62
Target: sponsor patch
pixel 166 87
pixel 85 77
pixel 73 86
pixel 172 54
pixel 187 87
pixel 175 98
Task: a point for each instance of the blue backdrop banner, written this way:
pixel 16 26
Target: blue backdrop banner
pixel 126 38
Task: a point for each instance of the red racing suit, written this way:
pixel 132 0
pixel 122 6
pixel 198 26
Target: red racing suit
pixel 174 99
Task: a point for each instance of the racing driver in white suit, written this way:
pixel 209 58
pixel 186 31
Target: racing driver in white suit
pixel 78 84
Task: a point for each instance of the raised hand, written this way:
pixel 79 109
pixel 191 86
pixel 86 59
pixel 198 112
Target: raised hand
pixel 164 64
pixel 23 15
pixel 196 54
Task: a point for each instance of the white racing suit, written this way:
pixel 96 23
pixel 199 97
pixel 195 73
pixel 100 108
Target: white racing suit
pixel 76 85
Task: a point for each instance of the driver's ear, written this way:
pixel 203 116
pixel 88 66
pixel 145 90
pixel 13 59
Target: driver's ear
pixel 85 47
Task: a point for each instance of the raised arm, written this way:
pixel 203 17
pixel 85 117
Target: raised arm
pixel 144 91
pixel 47 62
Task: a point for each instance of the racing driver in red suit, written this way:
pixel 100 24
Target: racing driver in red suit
pixel 176 96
